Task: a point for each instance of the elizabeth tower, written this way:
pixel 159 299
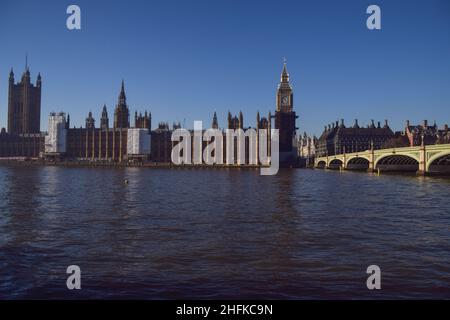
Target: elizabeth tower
pixel 285 119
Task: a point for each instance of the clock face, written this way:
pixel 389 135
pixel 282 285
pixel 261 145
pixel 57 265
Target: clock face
pixel 285 100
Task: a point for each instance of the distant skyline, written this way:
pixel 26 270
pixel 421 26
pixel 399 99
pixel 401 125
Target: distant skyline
pixel 182 61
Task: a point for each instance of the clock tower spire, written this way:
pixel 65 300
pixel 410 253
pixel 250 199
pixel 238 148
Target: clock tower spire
pixel 285 97
pixel 285 119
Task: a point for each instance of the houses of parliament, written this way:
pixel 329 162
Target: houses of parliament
pixel 120 141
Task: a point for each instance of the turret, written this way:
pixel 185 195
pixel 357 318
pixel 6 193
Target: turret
pixel 90 121
pixel 121 113
pixel 122 97
pixel 215 124
pixel 11 77
pixel 68 121
pixel 257 120
pixel 104 121
pixel 26 76
pixel 241 120
pixel 39 80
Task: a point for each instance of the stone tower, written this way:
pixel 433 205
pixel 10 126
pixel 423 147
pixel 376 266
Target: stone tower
pixel 215 124
pixel 24 104
pixel 90 121
pixel 285 119
pixel 121 114
pixel 104 120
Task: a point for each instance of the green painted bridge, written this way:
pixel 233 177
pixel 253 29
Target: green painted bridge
pixel 422 159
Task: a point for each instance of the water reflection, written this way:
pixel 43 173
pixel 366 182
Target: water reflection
pixel 225 233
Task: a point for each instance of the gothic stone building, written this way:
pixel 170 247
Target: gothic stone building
pixel 416 134
pixel 306 148
pixel 337 138
pixel 285 118
pixel 104 143
pixel 23 138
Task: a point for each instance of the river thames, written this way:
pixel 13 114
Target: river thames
pixel 221 233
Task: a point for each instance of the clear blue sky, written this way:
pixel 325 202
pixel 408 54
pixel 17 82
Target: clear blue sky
pixel 187 59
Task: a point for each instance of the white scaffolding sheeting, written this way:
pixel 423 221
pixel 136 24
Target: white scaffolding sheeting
pixel 138 142
pixel 55 140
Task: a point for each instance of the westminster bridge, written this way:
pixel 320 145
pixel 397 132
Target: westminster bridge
pixel 429 159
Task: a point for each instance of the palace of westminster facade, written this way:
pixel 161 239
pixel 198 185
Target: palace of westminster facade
pixel 122 142
pixel 119 142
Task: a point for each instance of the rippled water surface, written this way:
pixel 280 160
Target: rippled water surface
pixel 209 233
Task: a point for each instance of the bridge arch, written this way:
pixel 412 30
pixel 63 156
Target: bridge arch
pixel 397 162
pixel 404 156
pixel 321 164
pixel 357 159
pixel 358 163
pixel 335 163
pixel 435 159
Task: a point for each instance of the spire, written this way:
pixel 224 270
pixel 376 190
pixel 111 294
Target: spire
pixel 104 120
pixel 11 76
pixel 122 97
pixel 258 120
pixel 241 120
pixel 284 74
pixel 26 73
pixel 39 80
pixel 215 124
pixel 68 121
